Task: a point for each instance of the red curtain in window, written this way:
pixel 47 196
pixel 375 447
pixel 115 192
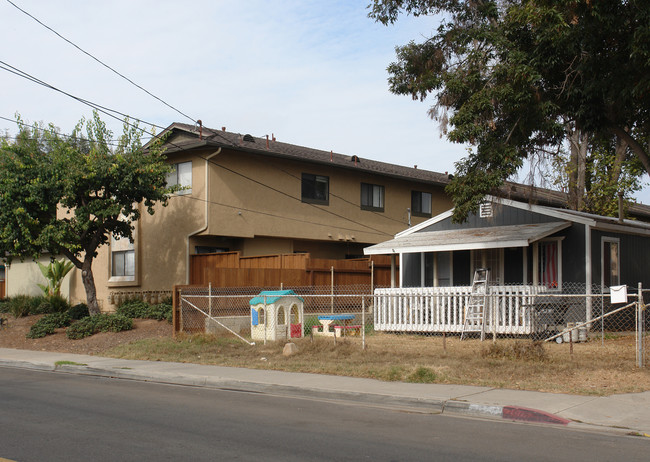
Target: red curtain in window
pixel 548 264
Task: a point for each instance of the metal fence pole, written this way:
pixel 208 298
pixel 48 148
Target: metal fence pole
pixel 332 291
pixel 639 328
pixel 363 322
pixel 210 298
pixel 266 319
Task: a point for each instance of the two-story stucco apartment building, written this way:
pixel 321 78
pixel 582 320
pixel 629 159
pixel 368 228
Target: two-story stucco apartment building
pixel 256 196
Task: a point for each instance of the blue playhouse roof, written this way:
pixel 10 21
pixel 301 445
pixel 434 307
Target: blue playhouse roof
pixel 272 296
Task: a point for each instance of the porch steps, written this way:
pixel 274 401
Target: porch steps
pixel 475 312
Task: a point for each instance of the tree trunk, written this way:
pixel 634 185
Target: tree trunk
pixel 89 285
pixel 577 168
pixel 621 150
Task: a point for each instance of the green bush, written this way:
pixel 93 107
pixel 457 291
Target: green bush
pixel 161 311
pixel 23 305
pixel 143 310
pixel 78 311
pixel 52 304
pixel 133 309
pixel 113 323
pixel 4 304
pixel 91 325
pixel 47 324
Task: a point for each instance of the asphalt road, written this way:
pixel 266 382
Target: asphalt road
pixel 53 416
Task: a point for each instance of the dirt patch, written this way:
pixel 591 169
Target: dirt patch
pixel 13 334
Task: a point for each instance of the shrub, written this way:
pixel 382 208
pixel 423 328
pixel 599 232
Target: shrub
pixel 112 323
pixel 143 310
pixel 23 305
pixel 47 324
pixel 133 309
pixel 91 325
pixel 161 311
pixel 4 304
pixel 52 304
pixel 78 311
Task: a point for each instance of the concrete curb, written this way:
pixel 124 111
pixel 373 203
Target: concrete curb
pixel 423 405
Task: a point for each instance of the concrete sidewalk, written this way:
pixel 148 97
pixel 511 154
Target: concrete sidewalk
pixel 627 413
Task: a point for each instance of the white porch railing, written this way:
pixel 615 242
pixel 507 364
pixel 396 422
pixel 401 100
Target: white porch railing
pixel 442 309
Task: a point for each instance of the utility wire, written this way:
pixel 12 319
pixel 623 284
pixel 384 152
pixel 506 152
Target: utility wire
pixel 112 112
pixel 101 62
pixel 311 222
pixel 103 109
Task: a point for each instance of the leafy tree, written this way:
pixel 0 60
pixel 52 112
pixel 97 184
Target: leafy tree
pixel 54 273
pixel 68 195
pixel 507 76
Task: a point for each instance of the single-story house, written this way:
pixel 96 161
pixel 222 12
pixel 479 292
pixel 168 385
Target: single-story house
pixel 528 249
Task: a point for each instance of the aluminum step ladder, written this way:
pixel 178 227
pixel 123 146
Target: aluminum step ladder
pixel 475 310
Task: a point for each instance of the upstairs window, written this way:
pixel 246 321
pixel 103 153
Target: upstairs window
pixel 181 175
pixel 372 197
pixel 123 263
pixel 315 189
pixel 122 260
pixel 421 203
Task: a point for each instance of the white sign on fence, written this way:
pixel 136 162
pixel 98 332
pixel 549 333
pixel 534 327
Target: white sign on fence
pixel 618 294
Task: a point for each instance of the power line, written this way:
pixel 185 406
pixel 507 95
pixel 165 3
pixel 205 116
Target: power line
pixel 112 112
pixel 111 142
pixel 101 62
pixel 198 199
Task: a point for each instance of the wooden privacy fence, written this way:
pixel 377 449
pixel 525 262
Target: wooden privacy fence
pixel 230 269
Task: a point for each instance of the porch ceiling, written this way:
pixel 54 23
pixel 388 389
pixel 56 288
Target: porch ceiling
pixel 466 239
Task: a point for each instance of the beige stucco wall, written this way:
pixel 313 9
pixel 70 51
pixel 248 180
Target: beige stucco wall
pixel 247 216
pixel 254 195
pixel 22 278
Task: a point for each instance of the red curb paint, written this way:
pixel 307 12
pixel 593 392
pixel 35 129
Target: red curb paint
pixel 532 415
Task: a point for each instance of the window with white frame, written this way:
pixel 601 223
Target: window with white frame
pixel 122 260
pixel 181 175
pixel 610 261
pixel 372 197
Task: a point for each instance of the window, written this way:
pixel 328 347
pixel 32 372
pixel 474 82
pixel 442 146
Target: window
pixel 549 274
pixel 123 263
pixel 181 175
pixel 421 203
pixel 492 259
pixel 372 197
pixel 315 189
pixel 611 262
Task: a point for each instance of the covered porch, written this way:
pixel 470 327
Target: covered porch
pixel 436 269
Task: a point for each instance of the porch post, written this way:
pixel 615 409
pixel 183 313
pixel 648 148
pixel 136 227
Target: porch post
pixel 393 259
pixel 588 276
pixel 535 264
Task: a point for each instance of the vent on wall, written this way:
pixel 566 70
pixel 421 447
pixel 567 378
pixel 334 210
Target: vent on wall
pixel 485 210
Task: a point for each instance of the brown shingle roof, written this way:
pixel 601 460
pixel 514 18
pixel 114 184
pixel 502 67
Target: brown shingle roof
pixel 248 143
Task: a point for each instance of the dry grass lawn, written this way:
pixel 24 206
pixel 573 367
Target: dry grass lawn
pixel 516 364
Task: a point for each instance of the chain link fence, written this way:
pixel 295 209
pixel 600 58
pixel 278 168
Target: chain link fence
pixel 388 319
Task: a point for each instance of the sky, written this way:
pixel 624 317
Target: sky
pixel 310 72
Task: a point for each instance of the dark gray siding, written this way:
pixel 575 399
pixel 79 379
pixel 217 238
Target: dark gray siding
pixel 573 254
pixel 634 255
pixel 503 216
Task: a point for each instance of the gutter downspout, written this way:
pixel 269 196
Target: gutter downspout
pixel 207 211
